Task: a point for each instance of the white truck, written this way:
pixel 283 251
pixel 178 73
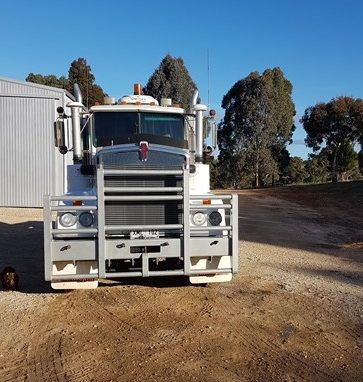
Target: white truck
pixel 138 201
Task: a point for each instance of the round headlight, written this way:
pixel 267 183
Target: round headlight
pixel 68 219
pixel 199 218
pixel 215 218
pixel 86 219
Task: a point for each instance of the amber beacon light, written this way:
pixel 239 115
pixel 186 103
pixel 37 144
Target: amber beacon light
pixel 137 89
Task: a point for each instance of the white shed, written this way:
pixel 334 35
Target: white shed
pixel 28 158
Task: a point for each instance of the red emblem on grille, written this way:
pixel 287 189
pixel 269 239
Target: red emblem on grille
pixel 143 150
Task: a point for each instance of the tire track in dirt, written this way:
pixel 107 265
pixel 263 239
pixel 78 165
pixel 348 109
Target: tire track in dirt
pixel 42 363
pixel 266 325
pixel 124 328
pixel 45 357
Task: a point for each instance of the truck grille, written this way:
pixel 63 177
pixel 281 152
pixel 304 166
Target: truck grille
pixel 121 179
pixel 132 213
pixel 142 212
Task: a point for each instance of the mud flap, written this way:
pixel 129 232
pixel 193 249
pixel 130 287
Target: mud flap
pixel 206 279
pixel 61 268
pixel 60 285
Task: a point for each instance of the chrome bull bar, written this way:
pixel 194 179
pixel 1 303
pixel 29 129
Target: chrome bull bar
pixel 98 235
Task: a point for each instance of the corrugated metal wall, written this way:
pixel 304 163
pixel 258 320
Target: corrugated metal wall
pixel 28 159
pixel 14 87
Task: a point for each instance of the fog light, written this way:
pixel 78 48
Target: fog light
pixel 215 218
pixel 199 218
pixel 86 219
pixel 68 219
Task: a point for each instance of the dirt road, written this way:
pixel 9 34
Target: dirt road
pixel 293 313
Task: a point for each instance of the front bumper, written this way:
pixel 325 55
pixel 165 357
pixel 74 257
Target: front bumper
pixel 197 251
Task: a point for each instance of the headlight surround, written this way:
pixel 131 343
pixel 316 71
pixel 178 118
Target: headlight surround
pixel 68 219
pixel 215 218
pixel 199 218
pixel 86 219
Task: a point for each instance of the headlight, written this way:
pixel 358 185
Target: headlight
pixel 68 219
pixel 215 218
pixel 86 219
pixel 199 218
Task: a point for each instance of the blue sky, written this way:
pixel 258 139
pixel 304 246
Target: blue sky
pixel 318 44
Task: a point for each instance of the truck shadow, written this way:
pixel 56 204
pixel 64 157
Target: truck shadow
pixel 151 282
pixel 262 220
pixel 21 247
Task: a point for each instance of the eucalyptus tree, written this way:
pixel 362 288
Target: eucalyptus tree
pixel 171 79
pixel 81 73
pixel 257 126
pixel 334 126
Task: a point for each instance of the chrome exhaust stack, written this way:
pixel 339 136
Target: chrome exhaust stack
pixel 76 108
pixel 198 109
pixel 194 100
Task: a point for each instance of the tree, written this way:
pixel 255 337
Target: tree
pixel 334 125
pixel 282 157
pixel 296 171
pixel 171 80
pixel 317 168
pixel 360 156
pixel 48 80
pixel 214 175
pixel 257 126
pixel 80 72
pixel 347 163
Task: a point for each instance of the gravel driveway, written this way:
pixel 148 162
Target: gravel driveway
pixel 294 312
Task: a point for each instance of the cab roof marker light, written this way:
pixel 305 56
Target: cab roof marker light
pixel 137 89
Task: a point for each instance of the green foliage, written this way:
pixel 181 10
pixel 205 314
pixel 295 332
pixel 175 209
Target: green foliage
pixel 317 168
pixel 347 166
pixel 360 156
pixel 348 163
pixel 48 80
pixel 282 158
pixel 171 80
pixel 334 125
pixel 296 171
pixel 360 162
pixel 256 128
pixel 80 72
pixel 214 174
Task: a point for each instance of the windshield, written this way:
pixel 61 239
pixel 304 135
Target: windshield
pixel 113 128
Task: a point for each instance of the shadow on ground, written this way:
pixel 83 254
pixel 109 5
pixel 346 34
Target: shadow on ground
pixel 262 219
pixel 152 282
pixel 21 247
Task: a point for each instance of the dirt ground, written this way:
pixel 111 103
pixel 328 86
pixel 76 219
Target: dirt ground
pixel 294 312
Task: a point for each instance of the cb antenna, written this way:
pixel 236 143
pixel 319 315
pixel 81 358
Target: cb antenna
pixel 208 76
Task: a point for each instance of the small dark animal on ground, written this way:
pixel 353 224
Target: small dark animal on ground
pixel 9 279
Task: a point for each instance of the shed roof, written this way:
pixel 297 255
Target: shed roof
pixel 10 86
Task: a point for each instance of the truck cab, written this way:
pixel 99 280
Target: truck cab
pixel 138 202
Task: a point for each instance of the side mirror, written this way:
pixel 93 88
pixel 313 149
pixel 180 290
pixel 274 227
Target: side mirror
pixel 214 130
pixel 210 130
pixel 60 110
pixel 59 136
